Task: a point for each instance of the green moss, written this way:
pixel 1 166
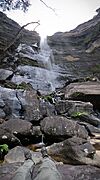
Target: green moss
pixel 4 147
pixel 48 98
pixel 24 86
pixel 78 114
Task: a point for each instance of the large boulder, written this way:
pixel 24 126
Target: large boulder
pixel 19 103
pixel 46 108
pixel 19 129
pixel 6 137
pixel 60 128
pixel 30 105
pixel 5 74
pixel 17 155
pixel 9 102
pixel 70 107
pixel 83 172
pixel 88 118
pixel 8 170
pixel 17 126
pixel 14 132
pixel 84 91
pixel 74 150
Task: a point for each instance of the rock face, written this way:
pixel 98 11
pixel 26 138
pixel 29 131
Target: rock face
pixel 77 52
pixel 59 127
pixel 84 91
pixel 9 28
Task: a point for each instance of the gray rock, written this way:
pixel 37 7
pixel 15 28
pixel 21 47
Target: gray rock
pixel 92 130
pixel 2 104
pixel 17 127
pixel 6 137
pixel 2 113
pixel 20 104
pixel 83 172
pixel 46 108
pixel 84 91
pixel 12 105
pixel 17 155
pixel 76 90
pixel 21 129
pixel 70 107
pixel 30 105
pixel 4 74
pixel 7 170
pixel 89 118
pixel 59 127
pixel 74 151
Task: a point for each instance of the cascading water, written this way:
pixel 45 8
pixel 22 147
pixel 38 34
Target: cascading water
pixel 44 74
pixel 46 57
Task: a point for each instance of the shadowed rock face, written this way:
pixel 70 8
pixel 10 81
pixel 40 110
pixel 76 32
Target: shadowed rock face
pixel 8 30
pixel 84 91
pixel 77 52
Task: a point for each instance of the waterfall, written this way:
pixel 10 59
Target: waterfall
pixel 45 56
pixel 47 60
pixel 44 75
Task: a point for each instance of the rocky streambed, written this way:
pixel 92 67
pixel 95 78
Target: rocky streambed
pixel 66 117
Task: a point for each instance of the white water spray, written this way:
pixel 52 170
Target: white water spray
pixel 45 56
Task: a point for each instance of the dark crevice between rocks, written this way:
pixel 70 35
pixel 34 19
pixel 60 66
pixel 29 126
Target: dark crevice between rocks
pixel 49 140
pixel 36 123
pixel 10 77
pixel 8 84
pixel 28 139
pixel 22 110
pixel 87 128
pixel 94 99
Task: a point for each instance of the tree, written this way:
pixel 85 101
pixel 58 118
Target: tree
pixel 19 4
pixel 15 4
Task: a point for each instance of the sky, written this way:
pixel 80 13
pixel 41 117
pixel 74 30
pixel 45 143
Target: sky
pixel 68 14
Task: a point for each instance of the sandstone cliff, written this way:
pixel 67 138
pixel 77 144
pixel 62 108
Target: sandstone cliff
pixel 78 52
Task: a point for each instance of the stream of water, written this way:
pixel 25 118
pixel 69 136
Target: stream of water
pixel 47 59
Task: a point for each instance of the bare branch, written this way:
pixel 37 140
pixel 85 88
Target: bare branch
pixel 48 6
pixel 18 33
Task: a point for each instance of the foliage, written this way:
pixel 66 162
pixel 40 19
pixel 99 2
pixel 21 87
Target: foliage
pixel 78 114
pixel 24 86
pixel 4 148
pixel 48 98
pixel 14 4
